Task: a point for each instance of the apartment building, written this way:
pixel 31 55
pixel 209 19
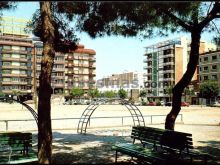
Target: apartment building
pixel 165 64
pixel 20 63
pixel 80 69
pixel 126 80
pixel 15 57
pixel 74 69
pixel 209 66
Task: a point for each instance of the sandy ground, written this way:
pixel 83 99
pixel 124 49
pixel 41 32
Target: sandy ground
pixel 95 147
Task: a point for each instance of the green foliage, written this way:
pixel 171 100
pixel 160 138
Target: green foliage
pixel 65 38
pixel 2 94
pixel 143 93
pixel 76 92
pixel 94 93
pixel 7 5
pixel 144 103
pixel 122 93
pixel 158 103
pixel 209 90
pixel 136 18
pixel 109 94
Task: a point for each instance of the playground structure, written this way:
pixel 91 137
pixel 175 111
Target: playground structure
pixel 138 119
pixel 9 100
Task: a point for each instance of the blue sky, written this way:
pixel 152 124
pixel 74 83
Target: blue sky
pixel 113 54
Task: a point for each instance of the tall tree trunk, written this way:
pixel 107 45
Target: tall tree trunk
pixel 179 87
pixel 45 90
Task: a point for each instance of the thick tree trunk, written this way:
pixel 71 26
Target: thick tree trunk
pixel 184 82
pixel 45 90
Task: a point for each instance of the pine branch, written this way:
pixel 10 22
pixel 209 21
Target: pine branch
pixel 214 13
pixel 185 25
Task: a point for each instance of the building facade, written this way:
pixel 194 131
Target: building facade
pixel 209 67
pixel 126 80
pixel 20 63
pixel 165 64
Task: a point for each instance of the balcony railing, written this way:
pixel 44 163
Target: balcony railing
pixel 14 59
pixel 14 51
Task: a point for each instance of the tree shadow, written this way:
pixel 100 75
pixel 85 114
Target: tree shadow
pixel 97 149
pixel 84 149
pixel 212 148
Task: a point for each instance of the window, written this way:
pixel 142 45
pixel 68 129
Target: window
pixel 6 71
pixel 205 68
pixel 15 63
pixel 6 79
pixel 15 79
pixel 214 77
pixel 7 47
pixel 23 48
pixel 15 56
pixel 205 77
pixel 59 73
pixel 23 56
pixel 23 64
pixel 214 58
pixel 15 72
pixel 214 67
pixel 6 63
pixel 15 47
pixel 205 58
pixel 6 55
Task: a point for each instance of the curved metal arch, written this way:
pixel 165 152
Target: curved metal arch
pixel 34 114
pixel 136 114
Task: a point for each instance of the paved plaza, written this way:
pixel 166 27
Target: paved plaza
pixel 95 147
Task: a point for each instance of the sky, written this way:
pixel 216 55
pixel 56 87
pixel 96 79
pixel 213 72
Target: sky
pixel 113 54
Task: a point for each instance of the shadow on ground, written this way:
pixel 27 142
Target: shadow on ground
pixel 212 148
pixel 84 149
pixel 97 149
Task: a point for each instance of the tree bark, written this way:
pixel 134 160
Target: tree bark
pixel 45 90
pixel 179 87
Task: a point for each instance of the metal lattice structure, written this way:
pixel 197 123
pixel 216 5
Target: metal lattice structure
pixel 136 114
pixel 35 115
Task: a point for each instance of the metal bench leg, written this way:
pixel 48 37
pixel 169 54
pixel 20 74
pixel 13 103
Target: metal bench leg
pixel 116 155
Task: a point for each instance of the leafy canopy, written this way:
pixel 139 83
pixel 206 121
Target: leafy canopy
pixel 122 93
pixel 209 89
pixel 76 92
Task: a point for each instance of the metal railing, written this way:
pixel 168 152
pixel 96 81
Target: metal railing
pixel 122 118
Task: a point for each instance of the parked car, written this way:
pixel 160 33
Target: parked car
pixel 168 104
pixel 184 104
pixel 216 104
pixel 151 104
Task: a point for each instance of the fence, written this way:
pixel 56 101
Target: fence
pixel 69 123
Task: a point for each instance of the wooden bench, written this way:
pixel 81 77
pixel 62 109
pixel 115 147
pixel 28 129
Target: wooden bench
pixel 16 147
pixel 158 146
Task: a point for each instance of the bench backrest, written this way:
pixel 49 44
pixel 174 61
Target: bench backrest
pixel 167 139
pixel 16 139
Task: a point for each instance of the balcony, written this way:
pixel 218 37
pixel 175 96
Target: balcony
pixel 13 75
pixel 168 55
pixel 14 51
pixel 145 60
pixel 168 79
pixel 59 62
pixel 168 71
pixel 148 67
pixel 58 69
pixel 69 72
pixel 14 83
pixel 14 67
pixel 14 59
pixel 92 59
pixel 168 63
